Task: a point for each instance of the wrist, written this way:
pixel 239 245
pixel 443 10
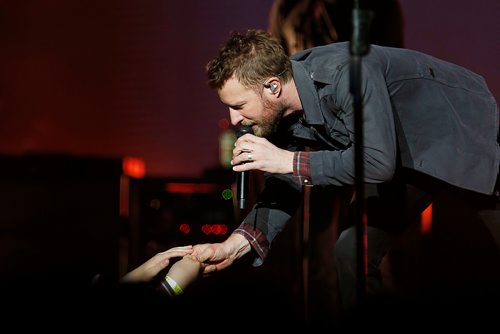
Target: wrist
pixel 237 245
pixel 170 286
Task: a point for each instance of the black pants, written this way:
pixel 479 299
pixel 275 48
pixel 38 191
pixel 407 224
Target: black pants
pixel 459 256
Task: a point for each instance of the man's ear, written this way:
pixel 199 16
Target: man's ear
pixel 273 87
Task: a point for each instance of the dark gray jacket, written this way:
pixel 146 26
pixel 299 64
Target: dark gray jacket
pixel 442 116
pixel 439 117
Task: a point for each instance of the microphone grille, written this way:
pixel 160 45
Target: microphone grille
pixel 243 129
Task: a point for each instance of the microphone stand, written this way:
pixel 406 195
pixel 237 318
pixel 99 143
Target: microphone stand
pixel 359 47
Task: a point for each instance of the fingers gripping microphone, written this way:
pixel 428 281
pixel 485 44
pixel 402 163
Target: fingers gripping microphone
pixel 242 177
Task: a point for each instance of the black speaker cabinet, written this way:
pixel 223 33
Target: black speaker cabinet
pixel 59 221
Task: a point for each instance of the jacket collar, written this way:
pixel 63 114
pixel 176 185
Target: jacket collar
pixel 307 93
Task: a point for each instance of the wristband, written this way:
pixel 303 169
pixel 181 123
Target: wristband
pixel 165 287
pixel 176 289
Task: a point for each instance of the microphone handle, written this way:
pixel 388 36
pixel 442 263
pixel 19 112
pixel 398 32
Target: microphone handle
pixel 242 177
pixel 242 188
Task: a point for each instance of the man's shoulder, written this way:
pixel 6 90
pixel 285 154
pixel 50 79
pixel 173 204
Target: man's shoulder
pixel 340 49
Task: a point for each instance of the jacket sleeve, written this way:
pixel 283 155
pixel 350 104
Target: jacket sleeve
pixel 379 134
pixel 275 206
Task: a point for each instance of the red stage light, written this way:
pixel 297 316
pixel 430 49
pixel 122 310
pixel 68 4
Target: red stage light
pixel 134 167
pixel 185 228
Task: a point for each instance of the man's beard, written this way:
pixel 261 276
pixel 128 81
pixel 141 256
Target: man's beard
pixel 271 119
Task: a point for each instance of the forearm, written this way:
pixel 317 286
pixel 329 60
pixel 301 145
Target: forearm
pixel 134 276
pixel 237 246
pixel 257 241
pixel 275 206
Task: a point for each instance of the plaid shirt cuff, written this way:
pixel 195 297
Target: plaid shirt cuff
pixel 257 240
pixel 301 168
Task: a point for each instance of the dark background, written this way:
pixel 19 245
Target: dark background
pixel 116 78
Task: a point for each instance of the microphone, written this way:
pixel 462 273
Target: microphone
pixel 242 177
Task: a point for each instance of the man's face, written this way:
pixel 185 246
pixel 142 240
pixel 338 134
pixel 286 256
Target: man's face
pixel 261 111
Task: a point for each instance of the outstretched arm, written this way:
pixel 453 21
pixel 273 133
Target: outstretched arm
pixel 149 269
pixel 182 274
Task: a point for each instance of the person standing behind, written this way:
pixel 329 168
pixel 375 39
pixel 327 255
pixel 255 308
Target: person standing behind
pixel 302 24
pixel 298 25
